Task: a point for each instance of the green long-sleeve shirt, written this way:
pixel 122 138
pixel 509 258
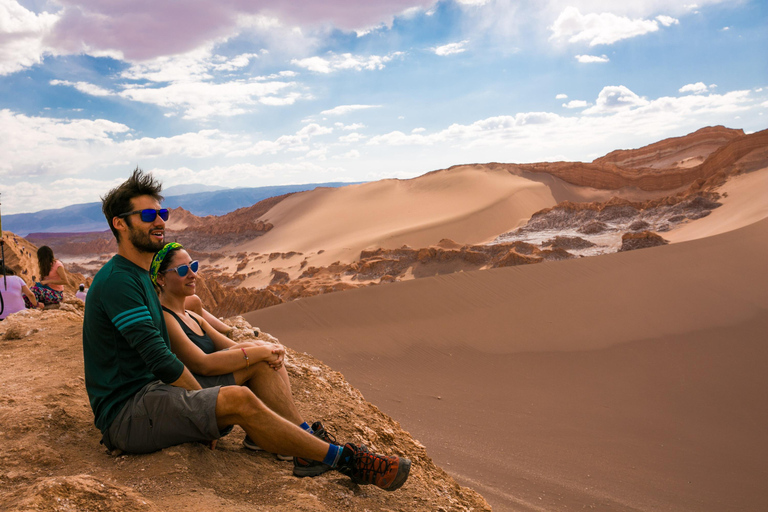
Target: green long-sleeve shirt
pixel 125 342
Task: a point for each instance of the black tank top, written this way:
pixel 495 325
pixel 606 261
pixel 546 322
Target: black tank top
pixel 204 342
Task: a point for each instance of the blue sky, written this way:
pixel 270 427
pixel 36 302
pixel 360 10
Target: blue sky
pixel 255 93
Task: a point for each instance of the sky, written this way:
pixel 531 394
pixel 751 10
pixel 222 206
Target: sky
pixel 248 93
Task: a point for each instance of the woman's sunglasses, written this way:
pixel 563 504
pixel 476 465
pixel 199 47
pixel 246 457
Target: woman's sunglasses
pixel 183 269
pixel 148 215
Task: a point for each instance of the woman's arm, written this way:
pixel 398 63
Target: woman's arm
pixel 218 363
pixel 222 342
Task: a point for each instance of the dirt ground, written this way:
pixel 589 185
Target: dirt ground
pixel 51 459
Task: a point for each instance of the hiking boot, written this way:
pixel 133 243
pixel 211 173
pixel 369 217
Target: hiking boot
pixel 251 445
pixel 306 467
pixel 388 472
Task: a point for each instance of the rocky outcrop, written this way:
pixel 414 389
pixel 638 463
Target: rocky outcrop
pixel 52 460
pixel 673 152
pixel 212 233
pixel 643 240
pixel 727 152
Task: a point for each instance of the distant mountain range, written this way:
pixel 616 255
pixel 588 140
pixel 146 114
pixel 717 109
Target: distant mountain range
pixel 87 217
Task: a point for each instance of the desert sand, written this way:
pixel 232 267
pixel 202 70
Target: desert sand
pixel 631 381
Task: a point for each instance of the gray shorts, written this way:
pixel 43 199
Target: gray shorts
pixel 161 415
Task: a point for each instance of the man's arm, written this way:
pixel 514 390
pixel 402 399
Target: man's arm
pixel 124 304
pixel 186 381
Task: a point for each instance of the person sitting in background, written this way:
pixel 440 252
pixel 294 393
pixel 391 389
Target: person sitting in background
pixel 50 288
pixel 11 290
pixel 81 292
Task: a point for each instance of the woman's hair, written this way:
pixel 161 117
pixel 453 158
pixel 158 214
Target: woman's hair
pixel 7 270
pixel 45 260
pixel 165 257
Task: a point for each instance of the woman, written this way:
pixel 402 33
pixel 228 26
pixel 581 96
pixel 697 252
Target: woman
pixel 50 288
pixel 213 358
pixel 11 290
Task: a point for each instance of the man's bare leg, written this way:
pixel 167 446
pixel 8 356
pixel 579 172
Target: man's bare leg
pixel 237 405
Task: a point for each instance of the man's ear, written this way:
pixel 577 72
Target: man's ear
pixel 119 224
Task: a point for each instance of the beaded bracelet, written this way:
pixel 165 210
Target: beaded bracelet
pixel 245 355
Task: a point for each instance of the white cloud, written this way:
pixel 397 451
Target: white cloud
pixel 352 154
pixel 202 144
pixel 297 142
pixel 345 61
pixel 697 88
pixel 45 146
pixel 206 99
pixel 346 109
pixel 622 113
pixel 84 87
pixel 667 21
pixel 418 130
pixel 589 59
pixel 603 28
pixel 576 104
pixel 22 36
pixel 451 48
pixel 561 96
pixel 352 137
pixel 615 98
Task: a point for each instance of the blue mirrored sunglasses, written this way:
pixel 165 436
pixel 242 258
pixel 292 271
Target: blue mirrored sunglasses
pixel 149 214
pixel 183 269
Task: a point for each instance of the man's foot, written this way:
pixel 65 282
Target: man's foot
pixel 383 471
pixel 251 445
pixel 306 467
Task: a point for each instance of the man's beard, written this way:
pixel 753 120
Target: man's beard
pixel 143 242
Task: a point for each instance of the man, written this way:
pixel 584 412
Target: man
pixel 144 399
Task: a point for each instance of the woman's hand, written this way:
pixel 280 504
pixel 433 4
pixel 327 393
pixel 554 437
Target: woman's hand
pixel 277 357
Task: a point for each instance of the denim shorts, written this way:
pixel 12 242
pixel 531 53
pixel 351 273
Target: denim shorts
pixel 161 415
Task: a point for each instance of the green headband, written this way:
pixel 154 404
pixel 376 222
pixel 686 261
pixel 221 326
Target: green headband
pixel 157 260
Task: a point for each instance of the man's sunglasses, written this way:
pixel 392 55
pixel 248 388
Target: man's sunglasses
pixel 148 215
pixel 183 269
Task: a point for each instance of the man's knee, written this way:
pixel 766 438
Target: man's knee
pixel 238 401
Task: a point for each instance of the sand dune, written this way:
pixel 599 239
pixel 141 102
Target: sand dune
pixel 744 203
pixel 468 204
pixel 620 382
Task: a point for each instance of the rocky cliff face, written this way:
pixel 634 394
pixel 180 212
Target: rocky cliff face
pixel 725 150
pixel 686 151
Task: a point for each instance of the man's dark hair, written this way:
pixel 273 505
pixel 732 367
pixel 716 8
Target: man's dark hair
pixel 118 200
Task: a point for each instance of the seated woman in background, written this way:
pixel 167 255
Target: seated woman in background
pixel 214 359
pixel 11 289
pixel 50 288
